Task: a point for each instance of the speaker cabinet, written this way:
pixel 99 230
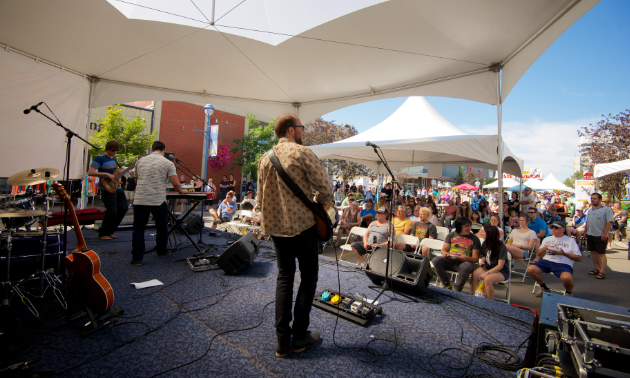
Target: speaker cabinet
pixel 238 257
pixel 409 273
pixel 193 224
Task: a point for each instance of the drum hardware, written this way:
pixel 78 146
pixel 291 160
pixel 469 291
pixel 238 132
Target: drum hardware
pixel 33 176
pixel 16 288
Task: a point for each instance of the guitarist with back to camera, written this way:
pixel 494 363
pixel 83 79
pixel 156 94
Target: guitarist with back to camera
pixel 103 166
pixel 294 226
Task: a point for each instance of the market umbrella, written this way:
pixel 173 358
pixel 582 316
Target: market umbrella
pixel 465 186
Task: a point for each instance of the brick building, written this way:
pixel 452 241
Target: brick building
pixel 177 124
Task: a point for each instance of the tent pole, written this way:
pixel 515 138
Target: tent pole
pixel 86 148
pixel 500 147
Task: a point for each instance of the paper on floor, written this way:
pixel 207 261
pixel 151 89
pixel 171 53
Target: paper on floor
pixel 142 285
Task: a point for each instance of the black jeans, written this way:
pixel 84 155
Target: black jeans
pixel 140 219
pixel 115 209
pixel 304 248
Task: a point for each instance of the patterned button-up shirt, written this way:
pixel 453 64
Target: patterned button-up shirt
pixel 283 214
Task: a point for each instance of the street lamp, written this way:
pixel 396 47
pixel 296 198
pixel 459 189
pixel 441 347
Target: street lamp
pixel 209 111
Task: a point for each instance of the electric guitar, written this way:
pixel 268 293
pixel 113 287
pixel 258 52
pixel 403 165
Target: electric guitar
pixel 84 266
pixel 110 185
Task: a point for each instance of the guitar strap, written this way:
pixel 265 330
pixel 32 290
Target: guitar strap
pixel 297 191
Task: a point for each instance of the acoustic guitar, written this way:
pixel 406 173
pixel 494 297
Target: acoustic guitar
pixel 84 266
pixel 110 185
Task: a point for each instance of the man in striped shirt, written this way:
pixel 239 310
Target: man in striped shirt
pixel 104 165
pixel 152 173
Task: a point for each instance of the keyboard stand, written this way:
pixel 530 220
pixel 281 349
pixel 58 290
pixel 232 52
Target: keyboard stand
pixel 176 224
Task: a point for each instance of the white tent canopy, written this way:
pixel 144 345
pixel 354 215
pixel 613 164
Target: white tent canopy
pixel 365 181
pixel 507 182
pixel 602 170
pixel 416 134
pixel 552 183
pixel 263 56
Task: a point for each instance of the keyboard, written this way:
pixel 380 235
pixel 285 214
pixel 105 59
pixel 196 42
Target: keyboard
pixel 192 196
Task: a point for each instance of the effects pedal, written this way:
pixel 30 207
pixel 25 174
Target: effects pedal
pixel 355 310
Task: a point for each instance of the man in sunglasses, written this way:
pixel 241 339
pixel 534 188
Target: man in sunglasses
pixel 536 223
pixel 104 165
pixel 558 253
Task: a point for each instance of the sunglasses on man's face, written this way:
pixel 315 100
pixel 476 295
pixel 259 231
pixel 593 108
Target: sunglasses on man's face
pixel 300 127
pixel 114 150
pixel 532 212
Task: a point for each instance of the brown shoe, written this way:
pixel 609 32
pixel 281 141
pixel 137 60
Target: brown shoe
pixel 105 238
pixel 113 236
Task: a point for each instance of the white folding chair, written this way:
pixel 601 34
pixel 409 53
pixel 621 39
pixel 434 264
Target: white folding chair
pixel 506 233
pixel 409 239
pixel 526 262
pixel 238 225
pixel 442 232
pixel 355 231
pixel 434 245
pixel 507 283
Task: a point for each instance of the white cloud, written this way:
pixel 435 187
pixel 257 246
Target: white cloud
pixel 552 145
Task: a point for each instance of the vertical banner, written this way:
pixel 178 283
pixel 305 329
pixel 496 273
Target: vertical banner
pixel 214 140
pixel 583 191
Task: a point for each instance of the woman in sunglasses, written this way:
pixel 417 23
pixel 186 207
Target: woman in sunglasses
pixel 464 211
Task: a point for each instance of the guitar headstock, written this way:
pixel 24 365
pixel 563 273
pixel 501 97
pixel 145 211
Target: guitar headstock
pixel 60 191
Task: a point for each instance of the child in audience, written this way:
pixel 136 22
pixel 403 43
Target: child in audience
pixel 513 219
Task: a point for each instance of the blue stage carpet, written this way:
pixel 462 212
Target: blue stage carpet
pixel 211 324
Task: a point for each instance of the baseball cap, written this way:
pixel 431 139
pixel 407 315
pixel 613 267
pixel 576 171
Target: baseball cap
pixel 558 224
pixel 382 210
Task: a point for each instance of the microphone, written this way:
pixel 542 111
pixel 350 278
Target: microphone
pixel 34 107
pixel 368 143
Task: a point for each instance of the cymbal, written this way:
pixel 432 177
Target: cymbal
pixel 13 212
pixel 32 176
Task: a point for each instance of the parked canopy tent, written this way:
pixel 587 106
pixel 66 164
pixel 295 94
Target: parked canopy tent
pixel 365 181
pixel 507 182
pixel 552 183
pixel 263 56
pixel 602 170
pixel 417 135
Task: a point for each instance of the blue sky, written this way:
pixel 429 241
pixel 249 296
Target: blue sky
pixel 582 75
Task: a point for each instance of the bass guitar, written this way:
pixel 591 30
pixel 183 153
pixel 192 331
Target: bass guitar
pixel 84 266
pixel 110 185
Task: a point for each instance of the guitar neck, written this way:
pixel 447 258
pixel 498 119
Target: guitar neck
pixel 61 193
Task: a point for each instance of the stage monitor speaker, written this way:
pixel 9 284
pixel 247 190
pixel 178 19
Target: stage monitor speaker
pixel 193 224
pixel 409 273
pixel 239 255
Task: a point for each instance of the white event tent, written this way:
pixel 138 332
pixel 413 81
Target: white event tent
pixel 263 56
pixel 507 183
pixel 601 170
pixel 549 183
pixel 416 134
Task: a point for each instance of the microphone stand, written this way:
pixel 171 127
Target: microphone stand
pixel 386 284
pixel 69 135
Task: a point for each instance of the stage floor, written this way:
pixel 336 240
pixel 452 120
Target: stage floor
pixel 211 324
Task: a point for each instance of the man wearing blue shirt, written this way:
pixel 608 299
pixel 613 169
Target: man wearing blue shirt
pixel 537 224
pixel 225 212
pixel 368 210
pixel 104 165
pixel 477 198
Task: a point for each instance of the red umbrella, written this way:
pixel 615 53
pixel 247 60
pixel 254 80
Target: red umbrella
pixel 466 186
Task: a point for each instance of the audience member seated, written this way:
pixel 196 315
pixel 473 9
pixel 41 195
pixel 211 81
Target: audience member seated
pixel 382 202
pixel 460 252
pixel 476 200
pixel 513 219
pixel 348 200
pixel 558 253
pixel 416 215
pixel 422 201
pixel 368 214
pixel 537 224
pixel 422 229
pixel 226 210
pixel 248 203
pixel 621 216
pixel 521 240
pixel 483 211
pixel 494 221
pixel 579 225
pixel 476 219
pixel 351 218
pixel 381 229
pixel 560 207
pixel 402 224
pixel 409 212
pixel 431 205
pixel 552 216
pixel 450 212
pixel 493 267
pixel 464 211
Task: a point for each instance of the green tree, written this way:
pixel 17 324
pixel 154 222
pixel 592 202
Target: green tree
pixel 490 181
pixel 258 140
pixel 570 181
pixel 459 178
pixel 130 134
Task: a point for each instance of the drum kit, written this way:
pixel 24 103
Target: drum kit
pixel 19 213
